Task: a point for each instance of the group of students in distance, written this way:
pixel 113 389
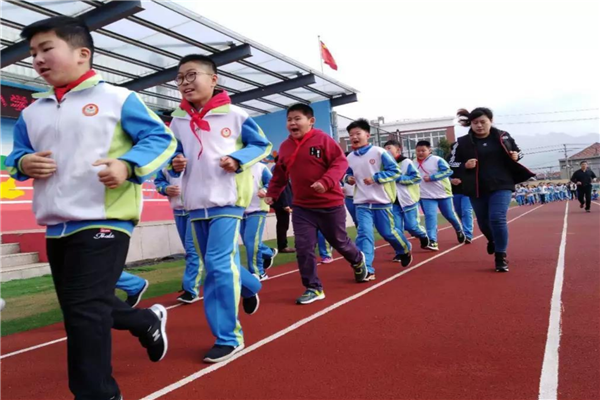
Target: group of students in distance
pixel 89 145
pixel 580 187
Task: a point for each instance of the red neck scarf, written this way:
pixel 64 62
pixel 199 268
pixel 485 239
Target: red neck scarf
pixel 197 118
pixel 60 92
pixel 299 143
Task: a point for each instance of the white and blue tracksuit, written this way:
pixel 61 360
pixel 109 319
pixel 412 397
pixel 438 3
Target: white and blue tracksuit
pixel 193 273
pixel 521 196
pixel 216 200
pixel 253 224
pixel 437 193
pixel 464 210
pixel 325 250
pixel 130 284
pixel 406 207
pixel 349 200
pixel 117 125
pixel 374 202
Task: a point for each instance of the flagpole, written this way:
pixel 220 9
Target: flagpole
pixel 321 53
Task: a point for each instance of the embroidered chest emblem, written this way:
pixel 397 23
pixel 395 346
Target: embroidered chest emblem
pixel 90 110
pixel 226 132
pixel 372 161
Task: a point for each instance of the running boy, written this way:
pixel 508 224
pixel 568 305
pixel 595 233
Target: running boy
pixel 436 192
pixel 316 164
pixel 221 143
pixel 374 172
pixel 407 186
pixel 88 146
pixel 170 186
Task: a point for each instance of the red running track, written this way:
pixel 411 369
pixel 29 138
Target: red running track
pixel 450 328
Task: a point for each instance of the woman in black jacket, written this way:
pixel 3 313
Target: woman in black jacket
pixel 485 161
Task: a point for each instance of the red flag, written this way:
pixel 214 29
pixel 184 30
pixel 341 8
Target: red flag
pixel 327 57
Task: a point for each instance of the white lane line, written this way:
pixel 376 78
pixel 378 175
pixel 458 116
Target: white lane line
pixel 549 377
pixel 39 346
pixel 205 371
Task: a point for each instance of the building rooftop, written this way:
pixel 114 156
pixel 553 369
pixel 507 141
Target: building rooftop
pixel 139 43
pixel 589 152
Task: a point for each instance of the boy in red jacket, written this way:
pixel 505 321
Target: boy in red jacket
pixel 315 163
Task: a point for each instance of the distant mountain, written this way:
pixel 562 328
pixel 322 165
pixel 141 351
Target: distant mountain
pixel 546 149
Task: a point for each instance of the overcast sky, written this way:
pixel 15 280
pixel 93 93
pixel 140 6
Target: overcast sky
pixel 423 59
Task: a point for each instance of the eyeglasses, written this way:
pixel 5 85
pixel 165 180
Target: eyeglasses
pixel 189 77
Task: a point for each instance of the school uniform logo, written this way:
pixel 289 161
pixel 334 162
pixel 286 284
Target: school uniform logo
pixel 225 132
pixel 372 161
pixel 104 234
pixel 316 152
pixel 90 110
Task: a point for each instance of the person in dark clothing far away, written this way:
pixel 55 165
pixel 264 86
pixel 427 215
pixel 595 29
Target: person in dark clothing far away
pixel 485 161
pixel 283 209
pixel 584 178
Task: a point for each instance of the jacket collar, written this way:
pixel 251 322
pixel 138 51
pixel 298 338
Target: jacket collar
pixel 87 84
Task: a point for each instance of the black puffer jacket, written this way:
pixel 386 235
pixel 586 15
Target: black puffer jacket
pixel 465 149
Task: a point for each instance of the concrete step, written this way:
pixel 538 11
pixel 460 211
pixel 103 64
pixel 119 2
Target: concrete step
pixel 9 248
pixel 24 271
pixel 15 260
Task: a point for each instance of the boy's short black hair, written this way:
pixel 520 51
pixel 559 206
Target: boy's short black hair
pixel 306 110
pixel 393 142
pixel 424 143
pixel 583 162
pixel 359 123
pixel 200 59
pixel 72 30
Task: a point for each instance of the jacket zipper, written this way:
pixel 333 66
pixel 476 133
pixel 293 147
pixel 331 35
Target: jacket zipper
pixel 476 171
pixel 56 136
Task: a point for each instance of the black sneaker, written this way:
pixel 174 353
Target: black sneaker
pixel 468 240
pixel 424 242
pixel 187 298
pixel 406 259
pixel 117 397
pixel 501 262
pixel 588 210
pixel 461 237
pixel 581 205
pixel 262 277
pixel 136 298
pixel 360 270
pixel 220 353
pixel 491 248
pixel 251 304
pixel 397 258
pixel 155 340
pixel 268 261
pixel 433 246
pixel 370 277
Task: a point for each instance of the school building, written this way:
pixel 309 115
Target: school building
pixel 591 154
pixel 138 45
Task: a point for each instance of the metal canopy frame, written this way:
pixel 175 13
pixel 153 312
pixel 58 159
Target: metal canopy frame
pixel 95 19
pixel 256 77
pixel 228 56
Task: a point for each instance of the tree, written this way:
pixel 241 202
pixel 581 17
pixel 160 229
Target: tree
pixel 444 148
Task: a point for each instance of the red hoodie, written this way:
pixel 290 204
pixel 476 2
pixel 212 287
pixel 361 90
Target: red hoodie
pixel 319 159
